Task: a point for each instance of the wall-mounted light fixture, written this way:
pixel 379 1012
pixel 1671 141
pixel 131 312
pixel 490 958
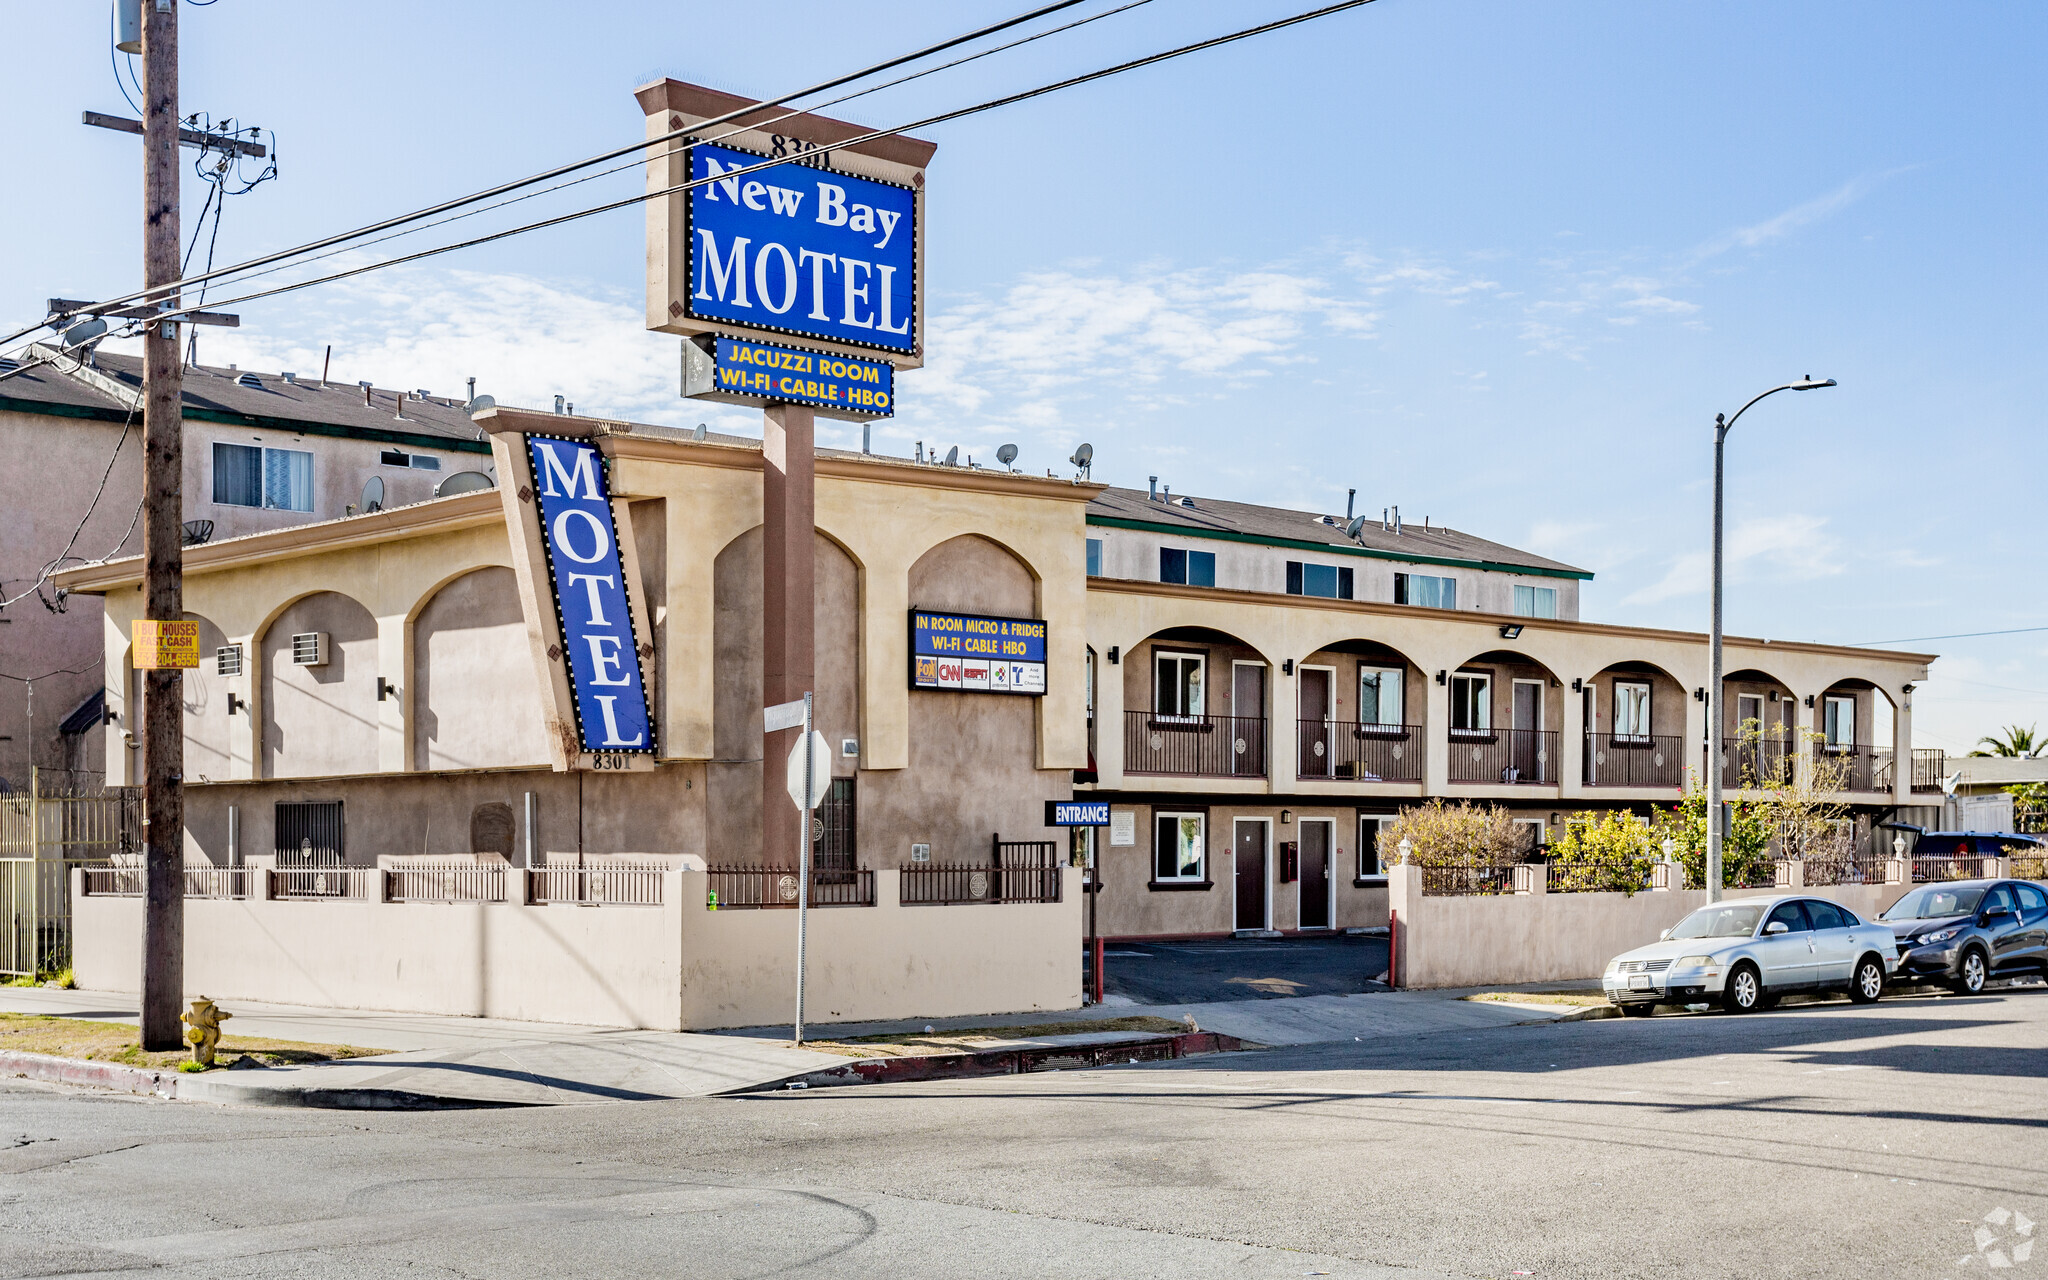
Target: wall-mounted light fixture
pixel 1442 676
pixel 1287 817
pixel 1908 691
pixel 236 705
pixel 1510 630
pixel 1286 666
pixel 1114 651
pixel 385 690
pixel 1700 694
pixel 1809 701
pixel 1578 685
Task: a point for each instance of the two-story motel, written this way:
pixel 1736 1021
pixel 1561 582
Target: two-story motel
pixel 1253 691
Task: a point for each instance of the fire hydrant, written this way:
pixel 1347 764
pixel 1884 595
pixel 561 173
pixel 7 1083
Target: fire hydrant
pixel 202 1029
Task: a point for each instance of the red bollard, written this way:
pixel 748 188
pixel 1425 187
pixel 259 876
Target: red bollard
pixel 1098 971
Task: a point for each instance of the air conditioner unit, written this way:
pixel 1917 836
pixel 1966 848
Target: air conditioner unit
pixel 309 649
pixel 227 660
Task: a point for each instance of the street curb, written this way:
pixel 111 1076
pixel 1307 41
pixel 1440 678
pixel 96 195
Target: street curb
pixel 1005 1062
pixel 248 1093
pixel 92 1075
pixel 1591 1013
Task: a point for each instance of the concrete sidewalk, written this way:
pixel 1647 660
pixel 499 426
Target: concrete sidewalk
pixel 444 1061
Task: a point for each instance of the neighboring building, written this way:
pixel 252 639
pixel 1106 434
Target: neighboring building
pixel 1265 692
pixel 262 452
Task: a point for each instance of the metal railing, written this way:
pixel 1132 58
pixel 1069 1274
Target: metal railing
pixel 1352 752
pixel 79 826
pixel 445 882
pixel 312 884
pixel 218 882
pixel 1503 755
pixel 1634 760
pixel 953 884
pixel 1935 868
pixel 595 886
pixel 1755 761
pixel 1929 764
pixel 748 888
pixel 113 882
pixel 1856 766
pixel 1482 880
pixel 2030 866
pixel 1608 875
pixel 1195 746
pixel 1858 868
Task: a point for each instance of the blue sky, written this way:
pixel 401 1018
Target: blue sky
pixel 1497 263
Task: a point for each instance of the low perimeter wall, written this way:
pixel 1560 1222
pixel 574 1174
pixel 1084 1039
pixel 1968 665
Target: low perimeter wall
pixel 1552 937
pixel 677 966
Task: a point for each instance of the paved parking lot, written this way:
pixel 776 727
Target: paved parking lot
pixel 1198 971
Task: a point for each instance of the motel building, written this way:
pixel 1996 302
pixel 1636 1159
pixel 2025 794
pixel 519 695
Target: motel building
pixel 390 803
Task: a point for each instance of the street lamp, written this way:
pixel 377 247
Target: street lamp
pixel 1715 747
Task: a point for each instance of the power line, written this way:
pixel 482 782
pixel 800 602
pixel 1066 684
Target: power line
pixel 1960 635
pixel 559 171
pixel 858 139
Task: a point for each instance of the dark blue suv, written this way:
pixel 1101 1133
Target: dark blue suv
pixel 1963 932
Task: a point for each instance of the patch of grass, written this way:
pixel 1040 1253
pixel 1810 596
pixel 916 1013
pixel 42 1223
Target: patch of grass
pixel 1581 999
pixel 973 1039
pixel 117 1042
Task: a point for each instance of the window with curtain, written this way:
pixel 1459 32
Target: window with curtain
pixel 1631 710
pixel 1379 695
pixel 1838 722
pixel 1177 684
pixel 237 475
pixel 1177 850
pixel 287 480
pixel 1425 590
pixel 1472 702
pixel 1535 602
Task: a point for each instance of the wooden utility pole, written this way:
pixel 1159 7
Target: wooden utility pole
pixel 163 461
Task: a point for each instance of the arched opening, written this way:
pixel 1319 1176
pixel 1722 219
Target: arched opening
pixel 1505 708
pixel 1846 722
pixel 475 700
pixel 206 691
pixel 1358 713
pixel 1759 729
pixel 320 689
pixel 1197 703
pixel 1634 713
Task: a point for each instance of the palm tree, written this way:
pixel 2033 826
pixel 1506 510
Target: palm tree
pixel 2017 742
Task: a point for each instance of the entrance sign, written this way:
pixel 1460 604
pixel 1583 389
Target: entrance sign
pixel 977 654
pixel 164 646
pixel 588 582
pixel 820 771
pixel 802 249
pixel 1077 813
pixel 736 371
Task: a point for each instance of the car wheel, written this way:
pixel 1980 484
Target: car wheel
pixel 1745 990
pixel 1867 983
pixel 1970 976
pixel 1637 1010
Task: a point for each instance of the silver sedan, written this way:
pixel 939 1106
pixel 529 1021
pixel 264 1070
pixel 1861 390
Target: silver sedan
pixel 1744 954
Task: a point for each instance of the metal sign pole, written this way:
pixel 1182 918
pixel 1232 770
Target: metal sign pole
pixel 803 854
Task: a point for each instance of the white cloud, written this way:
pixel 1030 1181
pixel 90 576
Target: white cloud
pixel 1783 548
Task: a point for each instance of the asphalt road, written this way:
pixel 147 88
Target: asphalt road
pixel 1824 1140
pixel 1199 971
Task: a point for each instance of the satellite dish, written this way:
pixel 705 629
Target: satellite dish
pixel 373 495
pixel 83 332
pixel 700 432
pixel 1007 454
pixel 1357 523
pixel 480 404
pixel 953 456
pixel 463 482
pixel 1083 456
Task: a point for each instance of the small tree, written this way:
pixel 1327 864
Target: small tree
pixel 1805 822
pixel 1605 853
pixel 1745 853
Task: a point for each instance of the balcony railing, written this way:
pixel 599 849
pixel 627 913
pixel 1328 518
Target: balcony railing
pixel 1503 755
pixel 1351 752
pixel 1859 767
pixel 1195 746
pixel 1755 761
pixel 1929 764
pixel 1634 760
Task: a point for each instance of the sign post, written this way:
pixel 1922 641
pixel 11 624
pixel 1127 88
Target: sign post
pixel 810 763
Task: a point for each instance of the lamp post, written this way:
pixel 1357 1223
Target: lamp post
pixel 1714 745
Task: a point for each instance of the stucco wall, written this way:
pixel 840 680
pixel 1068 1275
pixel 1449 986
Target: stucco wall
pixel 322 720
pixel 475 701
pixel 1552 937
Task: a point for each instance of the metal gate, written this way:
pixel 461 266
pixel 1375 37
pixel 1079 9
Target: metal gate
pixel 43 835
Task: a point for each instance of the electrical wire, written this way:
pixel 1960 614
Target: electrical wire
pixel 489 193
pixel 1960 635
pixel 114 52
pixel 856 140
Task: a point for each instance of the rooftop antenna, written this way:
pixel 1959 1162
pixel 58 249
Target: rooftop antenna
pixel 1084 458
pixel 1350 500
pixel 1005 455
pixel 326 360
pixel 953 456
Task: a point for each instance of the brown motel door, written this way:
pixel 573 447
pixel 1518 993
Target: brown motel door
pixel 1315 875
pixel 1251 875
pixel 1313 728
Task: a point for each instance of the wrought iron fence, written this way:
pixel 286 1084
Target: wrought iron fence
pixel 1479 880
pixel 1934 868
pixel 747 888
pixel 1859 868
pixel 1857 767
pixel 603 885
pixel 1634 760
pixel 1504 755
pixel 444 882
pixel 1352 752
pixel 1755 761
pixel 1195 746
pixel 1606 875
pixel 218 882
pixel 342 884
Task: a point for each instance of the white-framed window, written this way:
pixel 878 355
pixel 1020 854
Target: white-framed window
pixel 1179 846
pixel 1369 827
pixel 247 475
pixel 1187 568
pixel 400 458
pixel 1535 602
pixel 1177 683
pixel 1426 590
pixel 1838 721
pixel 1471 702
pixel 1094 557
pixel 1631 709
pixel 1379 695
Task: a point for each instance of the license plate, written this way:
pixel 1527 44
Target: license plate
pixel 1642 982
